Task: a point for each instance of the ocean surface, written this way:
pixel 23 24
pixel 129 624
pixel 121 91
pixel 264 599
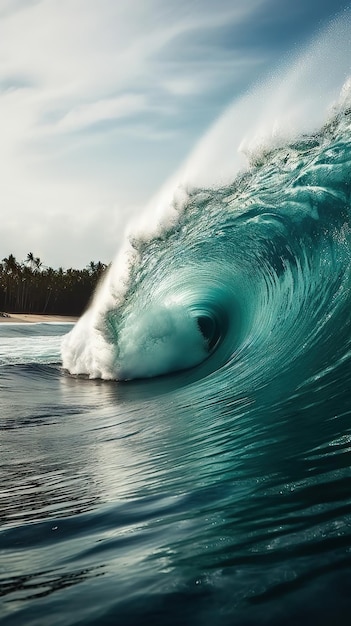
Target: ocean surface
pixel 184 458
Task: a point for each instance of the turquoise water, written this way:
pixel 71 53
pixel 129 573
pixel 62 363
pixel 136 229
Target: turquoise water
pixel 206 480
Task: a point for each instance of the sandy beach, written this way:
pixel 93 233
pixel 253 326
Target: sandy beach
pixel 22 318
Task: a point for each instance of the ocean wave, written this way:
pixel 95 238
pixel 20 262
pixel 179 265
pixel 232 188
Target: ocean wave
pixel 244 279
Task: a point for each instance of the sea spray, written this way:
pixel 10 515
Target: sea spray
pixel 219 493
pixel 210 266
pixel 241 259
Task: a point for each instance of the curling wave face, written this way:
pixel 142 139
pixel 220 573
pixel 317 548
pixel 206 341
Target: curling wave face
pixel 245 283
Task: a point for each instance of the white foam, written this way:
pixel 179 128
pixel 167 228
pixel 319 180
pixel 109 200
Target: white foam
pixel 295 100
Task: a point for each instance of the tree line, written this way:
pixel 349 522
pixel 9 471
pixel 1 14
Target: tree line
pixel 31 287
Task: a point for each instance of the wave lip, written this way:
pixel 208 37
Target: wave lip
pixel 246 274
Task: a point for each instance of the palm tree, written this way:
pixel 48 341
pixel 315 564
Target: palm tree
pixel 12 271
pixel 32 287
pixel 11 265
pixel 30 260
pixel 91 267
pixel 100 268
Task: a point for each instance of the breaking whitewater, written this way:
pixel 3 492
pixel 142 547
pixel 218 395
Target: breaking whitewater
pixel 188 461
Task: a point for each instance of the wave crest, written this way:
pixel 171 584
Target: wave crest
pixel 240 275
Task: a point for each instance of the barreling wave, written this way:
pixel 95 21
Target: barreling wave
pixel 243 281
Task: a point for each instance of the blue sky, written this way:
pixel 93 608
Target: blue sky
pixel 102 100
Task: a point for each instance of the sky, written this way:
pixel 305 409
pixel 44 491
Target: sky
pixel 101 101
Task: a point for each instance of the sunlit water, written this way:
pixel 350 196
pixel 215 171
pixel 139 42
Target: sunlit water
pixel 218 493
pixel 185 457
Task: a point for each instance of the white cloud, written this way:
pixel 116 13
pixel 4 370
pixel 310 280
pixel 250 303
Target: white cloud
pixel 82 65
pixel 123 106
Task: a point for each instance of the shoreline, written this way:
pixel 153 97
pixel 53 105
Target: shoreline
pixel 33 318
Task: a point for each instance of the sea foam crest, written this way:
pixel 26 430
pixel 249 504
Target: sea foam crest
pixel 159 335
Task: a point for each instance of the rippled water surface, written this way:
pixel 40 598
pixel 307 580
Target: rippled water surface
pixel 121 504
pixel 206 480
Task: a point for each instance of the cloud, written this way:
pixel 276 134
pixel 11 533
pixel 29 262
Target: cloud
pixel 101 101
pixel 8 7
pixel 78 53
pixel 86 115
